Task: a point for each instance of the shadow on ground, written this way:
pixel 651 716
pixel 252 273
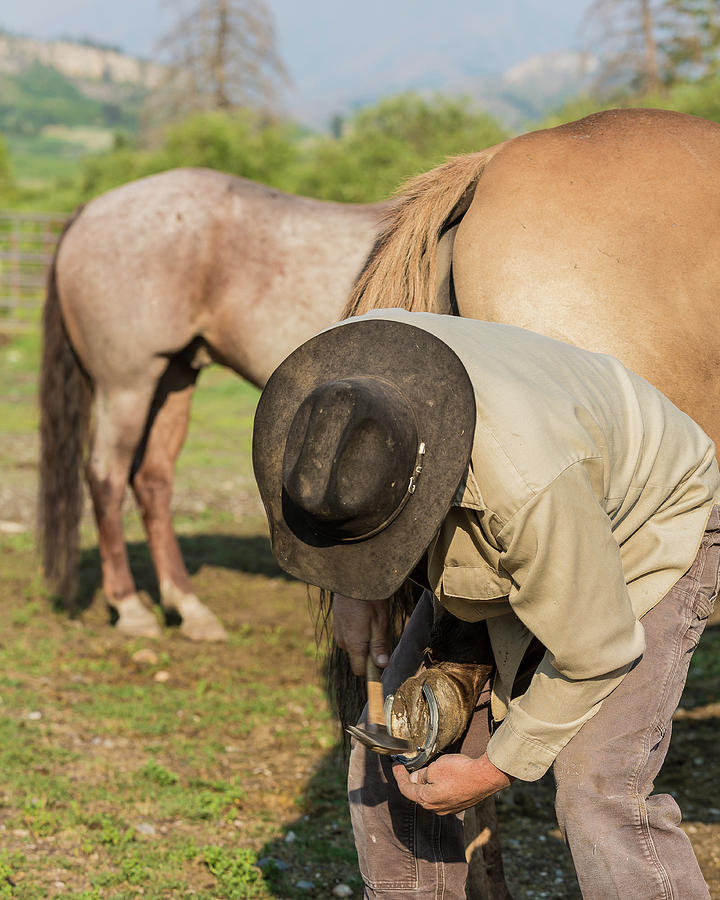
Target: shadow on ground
pixel 250 555
pixel 316 851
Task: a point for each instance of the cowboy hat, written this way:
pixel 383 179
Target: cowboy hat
pixel 361 439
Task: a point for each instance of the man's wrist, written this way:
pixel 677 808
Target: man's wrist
pixel 488 772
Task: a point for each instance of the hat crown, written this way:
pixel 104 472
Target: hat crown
pixel 349 456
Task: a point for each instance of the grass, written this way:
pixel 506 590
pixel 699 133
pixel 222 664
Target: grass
pixel 112 779
pixel 186 773
pixel 41 159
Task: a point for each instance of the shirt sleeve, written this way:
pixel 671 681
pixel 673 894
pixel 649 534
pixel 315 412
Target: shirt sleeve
pixel 568 589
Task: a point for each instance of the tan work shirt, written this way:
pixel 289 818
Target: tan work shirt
pixel 586 499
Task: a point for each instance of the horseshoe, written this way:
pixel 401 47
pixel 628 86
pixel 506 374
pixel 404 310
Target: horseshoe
pixel 426 751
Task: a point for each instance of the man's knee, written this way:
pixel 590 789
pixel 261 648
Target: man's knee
pixel 585 797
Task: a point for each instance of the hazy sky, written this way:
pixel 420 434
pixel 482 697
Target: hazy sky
pixel 334 48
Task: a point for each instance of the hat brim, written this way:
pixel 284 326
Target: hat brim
pixel 433 379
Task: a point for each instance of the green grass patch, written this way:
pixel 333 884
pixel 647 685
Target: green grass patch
pixel 236 871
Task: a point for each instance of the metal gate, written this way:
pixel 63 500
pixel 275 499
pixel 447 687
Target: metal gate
pixel 27 242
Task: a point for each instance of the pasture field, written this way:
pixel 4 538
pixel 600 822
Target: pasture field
pixel 166 769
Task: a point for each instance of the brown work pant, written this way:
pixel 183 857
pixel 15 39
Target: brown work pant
pixel 625 841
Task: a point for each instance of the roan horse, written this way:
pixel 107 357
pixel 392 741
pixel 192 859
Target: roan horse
pixel 604 233
pixel 149 283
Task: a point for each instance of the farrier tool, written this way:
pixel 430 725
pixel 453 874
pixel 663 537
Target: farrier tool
pixel 375 734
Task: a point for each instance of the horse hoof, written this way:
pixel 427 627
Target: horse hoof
pixel 135 619
pixel 198 623
pixel 203 627
pixel 456 687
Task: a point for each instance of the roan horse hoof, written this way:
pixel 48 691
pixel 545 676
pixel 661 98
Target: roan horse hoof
pixel 198 622
pixel 134 618
pixel 203 626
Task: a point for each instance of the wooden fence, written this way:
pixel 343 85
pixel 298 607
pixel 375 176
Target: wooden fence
pixel 27 243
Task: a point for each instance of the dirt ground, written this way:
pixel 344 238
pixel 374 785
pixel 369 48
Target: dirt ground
pixel 277 776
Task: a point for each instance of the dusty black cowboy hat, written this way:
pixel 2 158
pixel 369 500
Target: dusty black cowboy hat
pixel 361 438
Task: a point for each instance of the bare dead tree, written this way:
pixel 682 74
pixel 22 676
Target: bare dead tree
pixel 625 36
pixel 692 39
pixel 219 55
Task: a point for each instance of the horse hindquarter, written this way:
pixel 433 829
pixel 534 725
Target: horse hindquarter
pixel 600 238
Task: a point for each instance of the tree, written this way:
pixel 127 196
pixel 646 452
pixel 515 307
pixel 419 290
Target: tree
pixel 376 150
pixel 221 55
pixel 238 142
pixel 626 34
pixel 382 145
pixel 692 43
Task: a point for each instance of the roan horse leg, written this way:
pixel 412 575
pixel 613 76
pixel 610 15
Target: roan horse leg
pixel 120 417
pixel 152 481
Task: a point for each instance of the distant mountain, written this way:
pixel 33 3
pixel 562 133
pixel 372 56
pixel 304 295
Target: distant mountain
pixel 108 85
pixel 521 95
pixel 526 92
pixel 82 62
pixel 344 55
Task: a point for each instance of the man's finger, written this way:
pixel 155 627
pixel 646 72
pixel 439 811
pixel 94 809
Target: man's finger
pixel 402 776
pixel 380 640
pixel 358 659
pixel 419 776
pixel 407 788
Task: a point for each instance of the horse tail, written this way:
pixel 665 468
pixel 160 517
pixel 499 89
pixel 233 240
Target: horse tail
pixel 401 272
pixel 401 268
pixel 65 395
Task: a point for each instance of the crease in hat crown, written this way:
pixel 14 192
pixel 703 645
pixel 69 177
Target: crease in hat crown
pixel 352 457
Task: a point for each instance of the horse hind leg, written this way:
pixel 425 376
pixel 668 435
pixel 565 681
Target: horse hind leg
pixel 152 481
pixel 120 416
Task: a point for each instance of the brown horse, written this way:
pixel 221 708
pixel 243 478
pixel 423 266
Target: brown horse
pixel 149 283
pixel 604 233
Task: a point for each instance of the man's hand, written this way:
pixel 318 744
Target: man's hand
pixel 361 627
pixel 452 783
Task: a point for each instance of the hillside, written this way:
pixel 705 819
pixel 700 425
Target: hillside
pixel 84 62
pixel 60 100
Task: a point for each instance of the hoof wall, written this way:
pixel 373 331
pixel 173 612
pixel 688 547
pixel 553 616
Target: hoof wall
pixel 135 619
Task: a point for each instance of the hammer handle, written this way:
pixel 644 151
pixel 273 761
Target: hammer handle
pixel 376 702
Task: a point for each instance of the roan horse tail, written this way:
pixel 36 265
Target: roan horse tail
pixel 401 268
pixel 65 395
pixel 401 272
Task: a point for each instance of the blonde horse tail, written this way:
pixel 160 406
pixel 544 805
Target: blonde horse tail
pixel 401 272
pixel 65 396
pixel 401 268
